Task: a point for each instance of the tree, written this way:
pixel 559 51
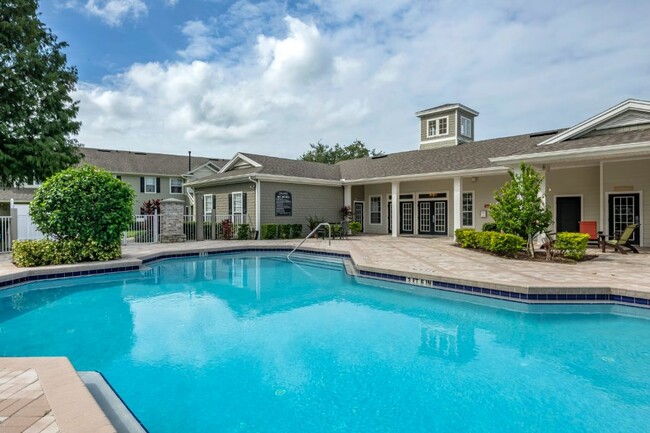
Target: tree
pixel 83 204
pixel 520 208
pixel 331 155
pixel 37 114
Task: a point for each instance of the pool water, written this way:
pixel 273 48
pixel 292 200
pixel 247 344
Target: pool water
pixel 254 343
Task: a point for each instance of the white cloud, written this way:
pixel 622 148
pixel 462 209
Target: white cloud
pixel 345 70
pixel 113 12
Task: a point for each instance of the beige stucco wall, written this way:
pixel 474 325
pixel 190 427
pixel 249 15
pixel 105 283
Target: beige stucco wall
pixel 307 200
pixel 630 176
pixel 141 197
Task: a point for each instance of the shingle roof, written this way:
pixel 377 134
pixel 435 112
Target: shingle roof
pixel 125 161
pixel 20 195
pixel 295 167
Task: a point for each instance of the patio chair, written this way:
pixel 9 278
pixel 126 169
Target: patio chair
pixel 618 243
pixel 343 231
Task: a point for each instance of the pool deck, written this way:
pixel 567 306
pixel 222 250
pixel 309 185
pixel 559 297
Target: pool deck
pixel 46 394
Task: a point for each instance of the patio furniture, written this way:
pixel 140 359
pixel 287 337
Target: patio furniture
pixel 345 228
pixel 619 242
pixel 590 228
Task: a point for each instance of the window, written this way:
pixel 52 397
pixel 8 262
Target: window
pixel 375 210
pixel 437 126
pixel 465 126
pixel 237 203
pixel 176 186
pixel 468 209
pixel 150 185
pixel 207 205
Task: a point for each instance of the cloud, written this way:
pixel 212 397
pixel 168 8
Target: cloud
pixel 260 80
pixel 113 12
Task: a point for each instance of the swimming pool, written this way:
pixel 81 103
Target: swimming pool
pixel 254 343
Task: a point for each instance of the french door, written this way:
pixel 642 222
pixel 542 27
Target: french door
pixel 624 209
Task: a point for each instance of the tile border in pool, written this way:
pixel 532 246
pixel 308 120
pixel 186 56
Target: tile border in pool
pixel 467 286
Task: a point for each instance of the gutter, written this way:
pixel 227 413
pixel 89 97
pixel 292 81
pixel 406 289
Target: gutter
pixel 594 152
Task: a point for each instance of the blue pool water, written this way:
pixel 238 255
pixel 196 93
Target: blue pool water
pixel 257 344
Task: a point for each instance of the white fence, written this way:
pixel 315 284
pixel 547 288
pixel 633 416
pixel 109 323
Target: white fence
pixel 5 234
pixel 144 229
pixel 26 227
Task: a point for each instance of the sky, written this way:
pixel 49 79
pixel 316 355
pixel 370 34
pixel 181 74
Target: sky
pixel 217 77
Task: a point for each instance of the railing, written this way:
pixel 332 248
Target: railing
pixel 224 226
pixel 5 234
pixel 144 229
pixel 329 227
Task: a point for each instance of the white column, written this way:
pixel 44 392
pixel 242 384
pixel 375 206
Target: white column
pixel 395 208
pixel 601 223
pixel 347 195
pixel 258 209
pixel 458 203
pixel 543 189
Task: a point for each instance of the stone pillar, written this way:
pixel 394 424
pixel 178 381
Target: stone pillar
pixel 171 220
pixel 198 215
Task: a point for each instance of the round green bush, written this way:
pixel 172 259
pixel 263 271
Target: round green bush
pixel 85 204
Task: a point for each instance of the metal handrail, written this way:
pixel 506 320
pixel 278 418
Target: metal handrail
pixel 311 233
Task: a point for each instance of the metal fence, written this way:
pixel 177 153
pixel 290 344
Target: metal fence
pixel 5 234
pixel 224 226
pixel 144 229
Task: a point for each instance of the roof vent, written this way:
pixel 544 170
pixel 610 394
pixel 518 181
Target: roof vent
pixel 382 155
pixel 104 150
pixel 139 153
pixel 543 133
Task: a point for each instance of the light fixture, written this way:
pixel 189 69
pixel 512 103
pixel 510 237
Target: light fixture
pixel 473 179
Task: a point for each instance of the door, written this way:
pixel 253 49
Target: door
pixel 439 217
pixel 357 215
pixel 623 210
pixel 432 217
pixel 406 212
pixel 568 213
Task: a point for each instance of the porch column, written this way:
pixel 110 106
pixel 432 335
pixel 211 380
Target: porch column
pixel 395 208
pixel 458 203
pixel 601 222
pixel 347 195
pixel 543 187
pixel 258 209
pixel 198 215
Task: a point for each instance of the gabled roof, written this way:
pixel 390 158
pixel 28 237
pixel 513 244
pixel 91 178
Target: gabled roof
pixel 602 119
pixel 131 162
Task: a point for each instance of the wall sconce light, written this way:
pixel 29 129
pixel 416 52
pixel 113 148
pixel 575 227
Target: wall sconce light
pixel 252 186
pixel 473 179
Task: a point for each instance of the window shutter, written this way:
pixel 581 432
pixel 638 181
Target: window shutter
pixel 244 206
pixel 229 204
pixel 142 184
pixel 157 185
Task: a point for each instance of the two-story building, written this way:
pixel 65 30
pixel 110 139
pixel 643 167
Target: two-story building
pixel 597 170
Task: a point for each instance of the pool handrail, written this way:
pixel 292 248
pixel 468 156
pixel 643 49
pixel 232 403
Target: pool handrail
pixel 329 227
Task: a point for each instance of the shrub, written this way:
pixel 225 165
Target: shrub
pixel 499 243
pixel 269 231
pixel 44 252
pixel 226 229
pixel 296 230
pixel 85 204
pixel 490 227
pixel 243 231
pixel 284 231
pixel 572 245
pixel 355 227
pixel 506 244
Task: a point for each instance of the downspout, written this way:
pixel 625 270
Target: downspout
pixel 258 216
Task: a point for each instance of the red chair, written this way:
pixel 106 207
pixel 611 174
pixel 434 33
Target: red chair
pixel 590 228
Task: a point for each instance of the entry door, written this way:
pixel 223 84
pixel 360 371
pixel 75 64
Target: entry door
pixel 439 217
pixel 624 210
pixel 358 213
pixel 406 212
pixel 568 213
pixel 424 217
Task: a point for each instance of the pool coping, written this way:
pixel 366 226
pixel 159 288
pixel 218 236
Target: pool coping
pixel 569 294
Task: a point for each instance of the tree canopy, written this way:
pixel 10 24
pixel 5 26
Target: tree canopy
pixel 332 154
pixel 37 113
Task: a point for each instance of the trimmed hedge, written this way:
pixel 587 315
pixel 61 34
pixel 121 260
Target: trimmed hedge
pixel 355 227
pixel 503 244
pixel 243 231
pixel 490 227
pixel 281 231
pixel 44 252
pixel 572 245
